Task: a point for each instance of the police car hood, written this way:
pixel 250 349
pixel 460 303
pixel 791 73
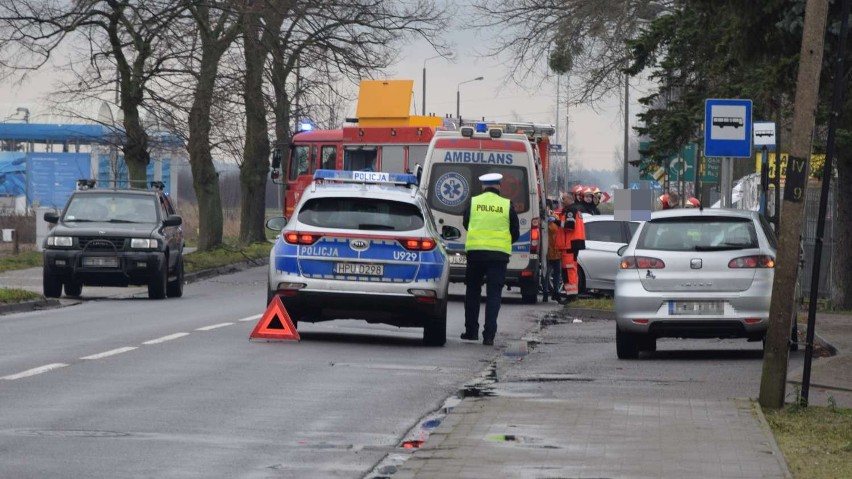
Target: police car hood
pixel 103 228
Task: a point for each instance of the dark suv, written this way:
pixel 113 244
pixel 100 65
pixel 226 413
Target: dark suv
pixel 115 237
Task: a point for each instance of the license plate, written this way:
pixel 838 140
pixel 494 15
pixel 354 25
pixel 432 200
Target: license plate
pixel 696 307
pixel 100 262
pixel 459 259
pixel 362 269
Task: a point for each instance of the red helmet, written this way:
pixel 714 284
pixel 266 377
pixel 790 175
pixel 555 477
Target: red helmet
pixel 664 201
pixel 577 189
pixel 692 202
pixel 596 191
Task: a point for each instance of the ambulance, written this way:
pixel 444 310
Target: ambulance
pixel 449 179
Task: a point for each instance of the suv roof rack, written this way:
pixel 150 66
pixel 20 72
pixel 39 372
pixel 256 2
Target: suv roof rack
pixel 92 183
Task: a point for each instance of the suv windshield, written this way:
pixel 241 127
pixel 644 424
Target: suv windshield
pixel 361 214
pixel 111 207
pixel 698 234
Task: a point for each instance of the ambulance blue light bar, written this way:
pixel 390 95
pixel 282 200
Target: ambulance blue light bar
pixel 374 177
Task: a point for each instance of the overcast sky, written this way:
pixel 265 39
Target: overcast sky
pixel 593 139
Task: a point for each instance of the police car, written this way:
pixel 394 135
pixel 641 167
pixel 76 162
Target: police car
pixel 362 245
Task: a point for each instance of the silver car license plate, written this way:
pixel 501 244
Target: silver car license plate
pixel 696 307
pixel 100 261
pixel 363 269
pixel 458 259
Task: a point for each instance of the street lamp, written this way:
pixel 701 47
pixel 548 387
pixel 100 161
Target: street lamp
pixel 448 56
pixel 458 95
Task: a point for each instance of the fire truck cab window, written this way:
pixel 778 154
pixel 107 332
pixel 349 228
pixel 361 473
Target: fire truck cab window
pixel 329 158
pixel 393 159
pixel 360 158
pixel 299 164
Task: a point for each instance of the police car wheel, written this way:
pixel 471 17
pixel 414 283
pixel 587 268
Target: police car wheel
pixel 435 329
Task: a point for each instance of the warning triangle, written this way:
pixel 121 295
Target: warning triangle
pixel 275 323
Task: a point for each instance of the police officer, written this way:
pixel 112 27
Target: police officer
pixel 492 226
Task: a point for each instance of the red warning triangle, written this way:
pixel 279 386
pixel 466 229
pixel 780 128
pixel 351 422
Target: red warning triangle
pixel 275 323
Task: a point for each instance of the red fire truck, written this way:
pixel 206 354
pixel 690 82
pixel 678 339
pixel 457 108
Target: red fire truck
pixel 384 137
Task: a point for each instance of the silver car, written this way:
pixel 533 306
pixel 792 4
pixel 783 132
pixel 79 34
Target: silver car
pixel 690 273
pixel 362 245
pixel 598 263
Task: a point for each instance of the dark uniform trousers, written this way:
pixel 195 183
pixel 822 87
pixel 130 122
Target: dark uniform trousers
pixel 476 273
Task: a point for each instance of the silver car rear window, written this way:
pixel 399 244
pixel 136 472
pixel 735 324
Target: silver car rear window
pixel 706 233
pixel 361 214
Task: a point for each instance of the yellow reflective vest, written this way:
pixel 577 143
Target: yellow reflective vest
pixel 488 227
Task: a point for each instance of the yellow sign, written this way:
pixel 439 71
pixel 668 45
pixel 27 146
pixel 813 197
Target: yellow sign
pixel 817 162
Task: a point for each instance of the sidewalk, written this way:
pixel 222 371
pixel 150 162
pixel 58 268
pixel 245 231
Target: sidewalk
pixel 529 437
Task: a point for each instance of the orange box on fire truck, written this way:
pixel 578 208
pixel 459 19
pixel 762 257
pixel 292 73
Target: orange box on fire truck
pixel 455 161
pixel 384 137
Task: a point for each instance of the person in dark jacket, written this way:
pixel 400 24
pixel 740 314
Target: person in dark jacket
pixel 492 226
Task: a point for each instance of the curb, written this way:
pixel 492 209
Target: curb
pixel 764 424
pixel 590 313
pixel 188 278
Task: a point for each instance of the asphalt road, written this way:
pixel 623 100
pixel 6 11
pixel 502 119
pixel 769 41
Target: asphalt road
pixel 122 386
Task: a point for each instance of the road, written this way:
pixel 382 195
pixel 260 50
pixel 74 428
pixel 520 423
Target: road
pixel 122 386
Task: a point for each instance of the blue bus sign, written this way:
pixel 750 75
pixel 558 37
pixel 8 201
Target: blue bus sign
pixel 727 128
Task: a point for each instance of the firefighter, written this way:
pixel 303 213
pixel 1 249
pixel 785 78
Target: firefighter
pixel 570 239
pixel 588 200
pixel 668 201
pixel 692 202
pixel 577 191
pixel 596 199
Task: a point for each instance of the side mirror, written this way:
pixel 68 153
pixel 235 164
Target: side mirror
pixel 277 223
pixel 51 217
pixel 276 158
pixel 621 250
pixel 173 220
pixel 450 233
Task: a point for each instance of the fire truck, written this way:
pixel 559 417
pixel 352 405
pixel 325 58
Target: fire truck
pixel 383 137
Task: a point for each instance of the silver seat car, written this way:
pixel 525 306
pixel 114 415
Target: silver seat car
pixel 598 263
pixel 362 245
pixel 688 273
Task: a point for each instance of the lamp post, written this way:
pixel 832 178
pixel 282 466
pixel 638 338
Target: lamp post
pixel 448 56
pixel 458 95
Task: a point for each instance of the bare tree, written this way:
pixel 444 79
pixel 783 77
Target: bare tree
pixel 584 37
pixel 125 43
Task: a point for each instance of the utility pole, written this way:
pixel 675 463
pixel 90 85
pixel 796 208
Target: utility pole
pixel 775 355
pixel 626 127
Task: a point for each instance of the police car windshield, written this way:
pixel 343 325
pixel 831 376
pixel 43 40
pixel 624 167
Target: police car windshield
pixel 361 214
pixel 452 185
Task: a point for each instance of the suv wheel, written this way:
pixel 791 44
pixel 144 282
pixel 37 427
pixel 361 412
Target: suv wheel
pixel 157 282
pixel 626 345
pixel 174 289
pixel 435 329
pixel 51 285
pixel 73 289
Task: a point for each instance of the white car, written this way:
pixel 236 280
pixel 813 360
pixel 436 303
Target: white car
pixel 362 245
pixel 598 263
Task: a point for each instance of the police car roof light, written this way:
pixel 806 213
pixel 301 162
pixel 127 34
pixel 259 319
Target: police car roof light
pixel 365 177
pixel 306 126
pixel 467 132
pixel 481 127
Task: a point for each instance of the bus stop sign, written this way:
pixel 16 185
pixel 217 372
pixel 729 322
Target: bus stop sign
pixel 727 128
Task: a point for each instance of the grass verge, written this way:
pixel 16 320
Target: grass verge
pixel 815 441
pixel 23 260
pixel 607 304
pixel 11 295
pixel 225 255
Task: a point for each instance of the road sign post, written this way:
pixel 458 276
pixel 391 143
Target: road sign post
pixel 727 134
pixel 764 137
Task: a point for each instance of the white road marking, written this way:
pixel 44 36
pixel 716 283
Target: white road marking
pixel 34 371
pixel 250 318
pixel 214 326
pixel 166 338
pixel 110 353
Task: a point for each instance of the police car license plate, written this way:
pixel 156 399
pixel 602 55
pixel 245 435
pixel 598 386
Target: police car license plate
pixel 458 259
pixel 696 307
pixel 100 262
pixel 363 269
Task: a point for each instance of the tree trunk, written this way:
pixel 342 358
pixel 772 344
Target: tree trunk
pixel 136 154
pixel 841 255
pixel 205 179
pixel 255 165
pixel 776 350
